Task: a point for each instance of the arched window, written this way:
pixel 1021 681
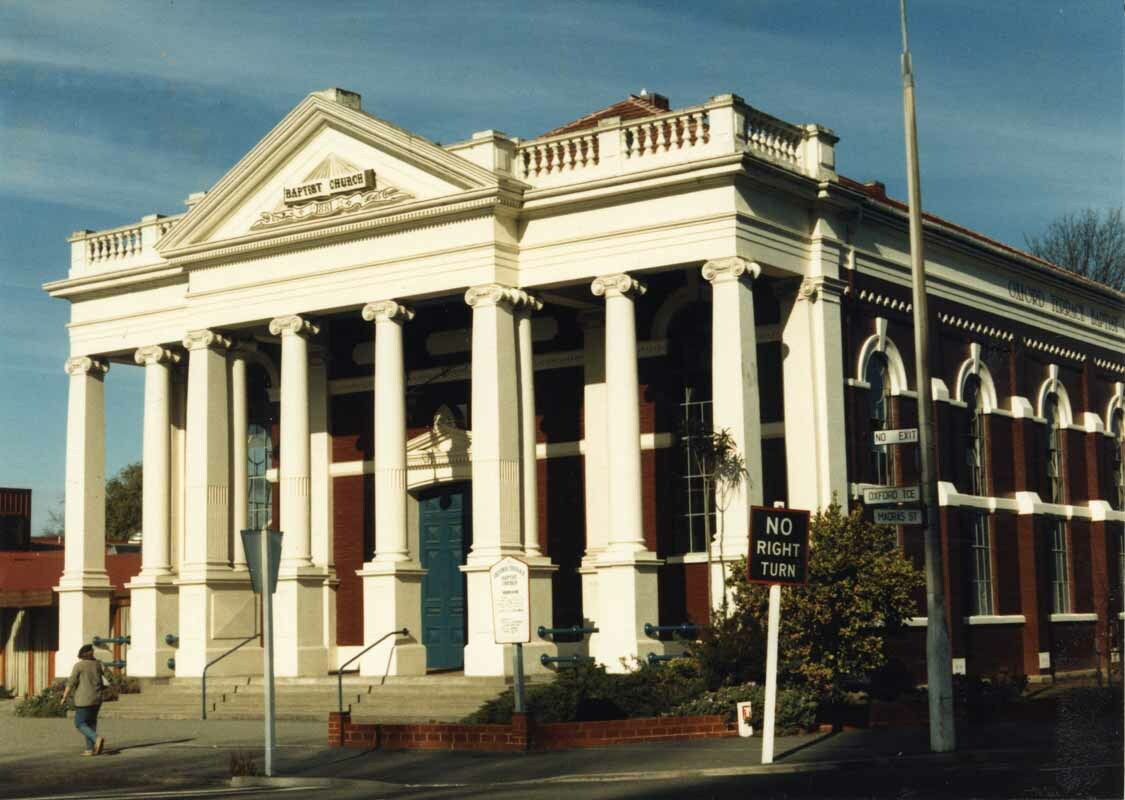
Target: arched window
pixel 981 552
pixel 1118 429
pixel 259 492
pixel 1060 572
pixel 878 378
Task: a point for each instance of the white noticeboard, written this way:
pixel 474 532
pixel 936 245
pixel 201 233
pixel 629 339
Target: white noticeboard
pixel 511 601
pixel 745 729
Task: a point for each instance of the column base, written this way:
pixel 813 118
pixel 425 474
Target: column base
pixel 83 614
pixel 588 572
pixel 628 594
pixel 217 610
pixel 298 619
pixel 488 659
pixel 154 613
pixel 483 657
pixel 392 600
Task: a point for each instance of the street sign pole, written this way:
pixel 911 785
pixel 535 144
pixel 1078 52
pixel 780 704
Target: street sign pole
pixel 939 668
pixel 267 630
pixel 771 673
pixel 517 674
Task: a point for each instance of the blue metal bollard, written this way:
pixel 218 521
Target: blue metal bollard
pixel 99 641
pixel 546 660
pixel 684 629
pixel 573 630
pixel 172 640
pixel 171 664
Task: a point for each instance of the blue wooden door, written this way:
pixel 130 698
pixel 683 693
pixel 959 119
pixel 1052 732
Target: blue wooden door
pixel 443 520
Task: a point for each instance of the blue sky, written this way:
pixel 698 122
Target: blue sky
pixel 113 110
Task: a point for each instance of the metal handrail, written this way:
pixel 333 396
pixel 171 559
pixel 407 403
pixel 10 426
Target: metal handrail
pixel 218 659
pixel 573 630
pixel 684 629
pixel 340 671
pixel 545 659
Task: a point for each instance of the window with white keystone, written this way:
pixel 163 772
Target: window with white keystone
pixel 975 457
pixel 1060 557
pixel 879 410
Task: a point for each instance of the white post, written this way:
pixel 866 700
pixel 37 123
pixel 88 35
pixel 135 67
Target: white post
pixel 771 673
pixel 392 580
pixel 154 603
pixel 300 584
pixel 267 651
pixel 239 431
pixel 84 588
pixel 627 570
pixel 734 402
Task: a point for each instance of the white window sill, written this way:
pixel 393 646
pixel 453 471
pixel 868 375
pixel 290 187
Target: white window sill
pixel 687 558
pixel 996 619
pixel 1074 618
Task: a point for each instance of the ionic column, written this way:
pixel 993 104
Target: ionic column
pixel 526 305
pixel 240 424
pixel 815 446
pixel 84 588
pixel 495 466
pixel 392 580
pixel 734 402
pixel 320 490
pixel 153 600
pixel 627 569
pixel 298 610
pixel 595 462
pixel 215 605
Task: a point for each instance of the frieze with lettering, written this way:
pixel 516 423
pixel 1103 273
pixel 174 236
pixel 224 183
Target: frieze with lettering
pixel 1064 306
pixel 326 187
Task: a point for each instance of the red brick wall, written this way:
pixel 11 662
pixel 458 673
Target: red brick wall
pixel 351 536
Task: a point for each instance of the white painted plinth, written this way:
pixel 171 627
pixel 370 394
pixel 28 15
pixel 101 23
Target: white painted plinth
pixel 298 612
pixel 628 598
pixel 83 614
pixel 392 600
pixel 590 608
pixel 153 613
pixel 483 657
pixel 216 612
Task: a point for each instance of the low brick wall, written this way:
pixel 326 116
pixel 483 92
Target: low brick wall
pixel 522 734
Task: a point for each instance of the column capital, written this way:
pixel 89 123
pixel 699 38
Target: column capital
pixel 721 270
pixel 525 303
pixel 203 339
pixel 491 294
pixel 620 284
pixel 293 325
pixel 822 287
pixel 387 311
pixel 155 354
pixel 86 365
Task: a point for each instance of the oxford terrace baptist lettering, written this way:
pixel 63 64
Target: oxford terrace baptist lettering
pixel 1047 299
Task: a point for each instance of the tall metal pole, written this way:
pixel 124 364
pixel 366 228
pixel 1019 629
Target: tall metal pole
pixel 267 654
pixel 939 667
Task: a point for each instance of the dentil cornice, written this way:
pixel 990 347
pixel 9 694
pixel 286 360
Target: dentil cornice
pixel 86 365
pixel 387 311
pixel 203 339
pixel 734 268
pixel 155 354
pixel 293 325
pixel 619 285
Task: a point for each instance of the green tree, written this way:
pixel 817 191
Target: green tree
pixel 123 494
pixel 860 589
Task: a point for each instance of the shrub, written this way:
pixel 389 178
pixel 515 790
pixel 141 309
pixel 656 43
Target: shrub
pixel 48 703
pixel 117 684
pixel 587 693
pixel 6 693
pixel 795 711
pixel 860 589
pixel 979 690
pixel 731 651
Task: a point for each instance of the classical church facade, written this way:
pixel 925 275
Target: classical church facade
pixel 416 359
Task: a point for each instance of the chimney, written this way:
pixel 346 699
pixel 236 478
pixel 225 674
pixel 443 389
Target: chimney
pixel 341 96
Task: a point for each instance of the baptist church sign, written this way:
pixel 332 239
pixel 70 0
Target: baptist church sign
pixel 326 187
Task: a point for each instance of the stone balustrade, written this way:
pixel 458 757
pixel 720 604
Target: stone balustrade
pixel 128 246
pixel 724 125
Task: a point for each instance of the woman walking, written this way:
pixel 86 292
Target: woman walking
pixel 86 682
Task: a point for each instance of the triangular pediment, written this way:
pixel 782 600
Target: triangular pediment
pixel 325 163
pixel 444 443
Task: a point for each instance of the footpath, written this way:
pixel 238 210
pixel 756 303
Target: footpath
pixel 40 757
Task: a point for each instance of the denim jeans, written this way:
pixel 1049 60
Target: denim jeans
pixel 86 720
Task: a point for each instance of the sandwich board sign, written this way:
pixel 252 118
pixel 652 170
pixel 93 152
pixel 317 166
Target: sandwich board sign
pixel 779 546
pixel 511 601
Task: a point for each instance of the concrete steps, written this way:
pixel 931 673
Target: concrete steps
pixel 446 697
